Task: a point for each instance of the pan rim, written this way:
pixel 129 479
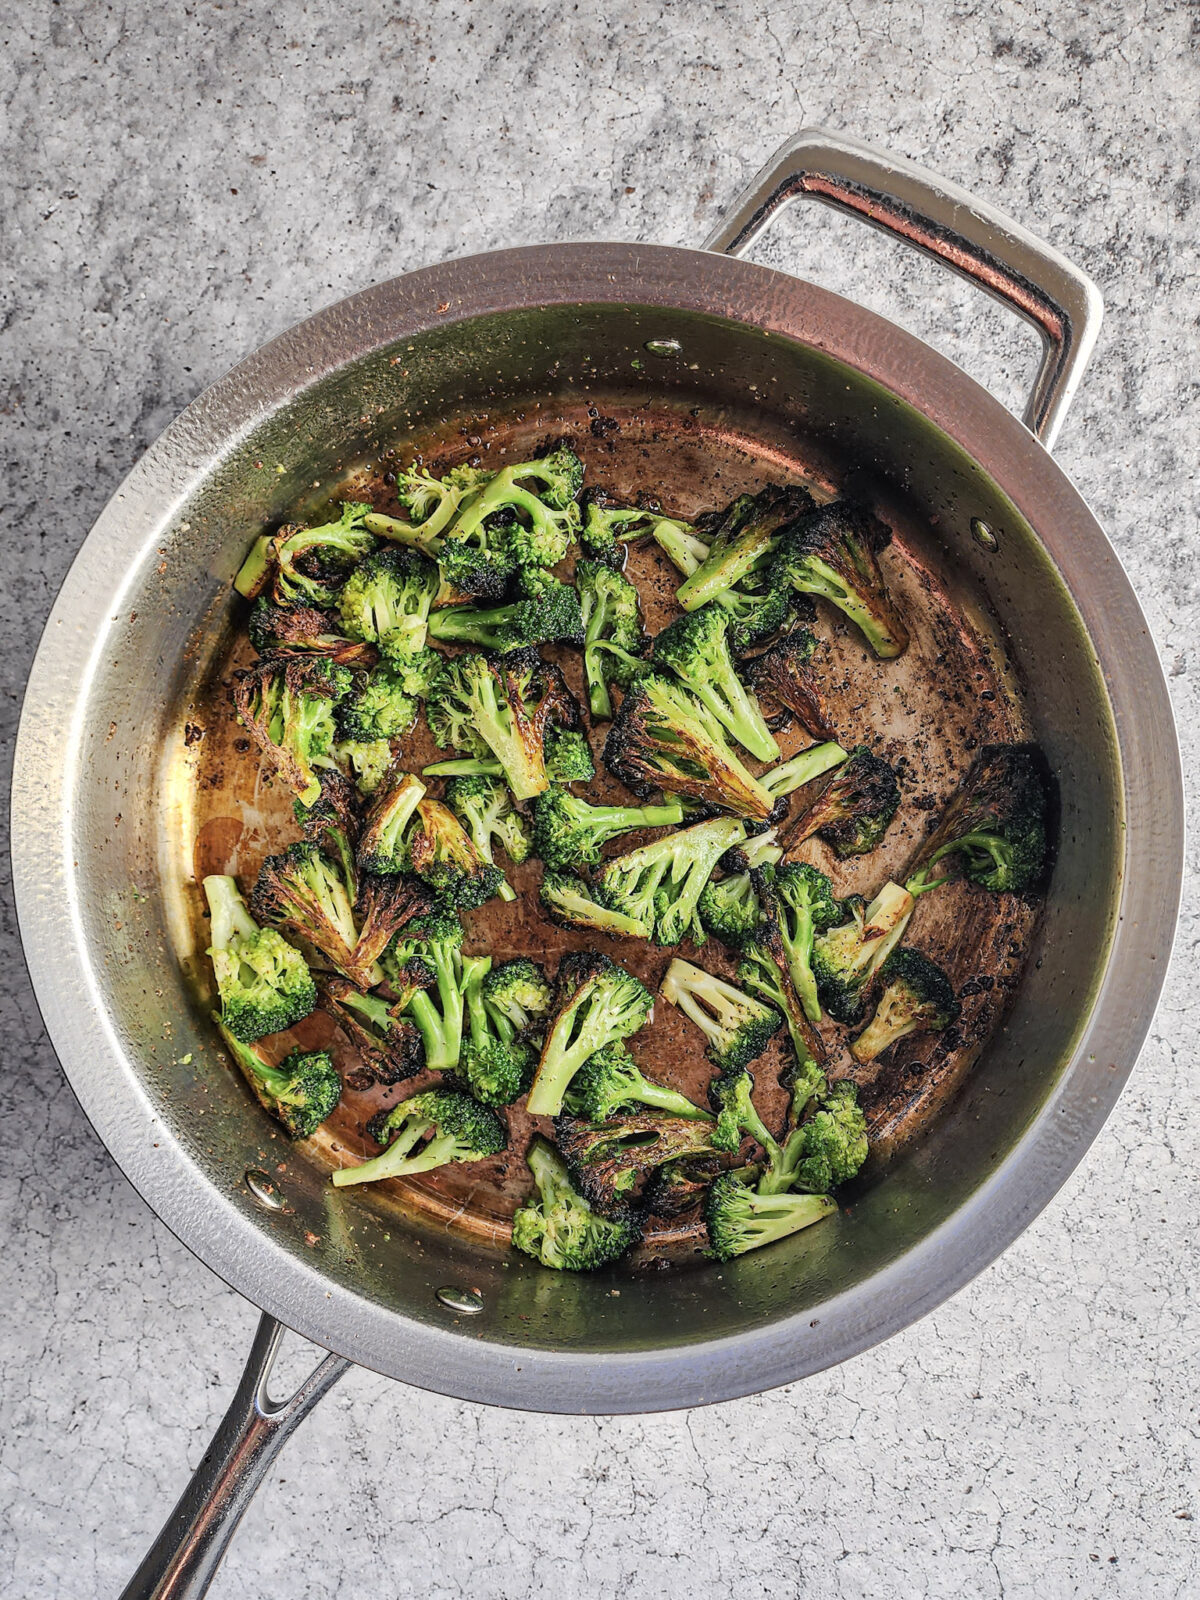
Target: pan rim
pixel 107 1087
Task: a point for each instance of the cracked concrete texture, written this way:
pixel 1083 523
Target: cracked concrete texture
pixel 178 185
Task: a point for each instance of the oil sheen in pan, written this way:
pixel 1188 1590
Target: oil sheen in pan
pixel 927 713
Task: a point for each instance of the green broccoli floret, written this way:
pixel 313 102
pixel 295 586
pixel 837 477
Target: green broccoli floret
pixel 995 824
pixel 568 756
pixel 484 807
pixel 517 990
pixel 595 1003
pixel 264 984
pixel 309 565
pixel 917 997
pixel 386 601
pixel 544 519
pixel 739 1218
pixel 568 832
pixel 738 1028
pixel 731 1097
pixel 663 737
pixel 611 1081
pixel 791 775
pixel 696 649
pixel 609 526
pixel 832 553
pixel 560 1229
pixel 431 505
pixel 300 1092
pixel 660 884
pixel 570 902
pixel 855 808
pixel 799 900
pixel 388 1045
pixel 496 1064
pixel 609 1161
pixel 504 707
pixel 545 610
pixel 454 1127
pixel 754 614
pixel 614 638
pixel 438 1011
pixel 286 703
pixel 729 908
pixel 823 1152
pixel 377 707
pixel 367 762
pixel 846 957
pixel 745 539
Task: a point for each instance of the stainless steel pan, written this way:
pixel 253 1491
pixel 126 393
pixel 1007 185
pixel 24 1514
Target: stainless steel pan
pixel 699 356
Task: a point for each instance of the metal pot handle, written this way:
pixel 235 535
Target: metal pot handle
pixel 950 224
pixel 183 1560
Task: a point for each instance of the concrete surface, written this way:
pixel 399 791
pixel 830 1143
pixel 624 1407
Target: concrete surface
pixel 179 183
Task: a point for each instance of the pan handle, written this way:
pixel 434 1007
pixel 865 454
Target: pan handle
pixel 183 1560
pixel 948 223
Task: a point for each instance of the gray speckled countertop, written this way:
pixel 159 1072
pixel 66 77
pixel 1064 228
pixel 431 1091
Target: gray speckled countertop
pixel 180 183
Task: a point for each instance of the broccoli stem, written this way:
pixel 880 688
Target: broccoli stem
pixel 683 550
pixel 230 918
pixel 395 1162
pixel 424 538
pixel 441 1031
pixel 465 767
pixel 809 764
pixel 256 569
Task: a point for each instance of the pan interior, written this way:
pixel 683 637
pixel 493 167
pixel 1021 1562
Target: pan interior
pixel 998 653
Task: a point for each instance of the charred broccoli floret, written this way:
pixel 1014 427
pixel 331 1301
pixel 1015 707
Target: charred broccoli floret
pixel 568 832
pixel 738 1028
pixel 484 807
pixel 286 703
pixel 264 984
pixel 542 520
pixel 571 902
pixel 832 553
pixel 503 707
pixel 517 990
pixel 743 541
pixel 595 1003
pixel 614 638
pixel 695 648
pixel 435 846
pixel 846 957
pixel 386 601
pixel 453 1125
pixel 679 1186
pixel 739 1218
pixel 385 906
pixel 496 1064
pixel 995 824
pixel 785 678
pixel 437 1010
pixel 308 566
pixel 917 997
pixel 803 768
pixel 545 610
pixel 660 884
pixel 388 1045
pixel 854 810
pixel 382 845
pixel 765 970
pixel 560 1229
pixel 609 1161
pixel 663 737
pixel 305 893
pixel 273 628
pixel 300 1092
pixel 799 901
pixel 611 1081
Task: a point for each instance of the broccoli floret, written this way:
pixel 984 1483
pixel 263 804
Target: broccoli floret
pixel 611 1081
pixel 854 810
pixel 665 738
pixel 660 884
pixel 517 990
pixel 731 1097
pixel 377 707
pixel 385 906
pixel 388 1045
pixel 454 1126
pixel 435 846
pixel 846 957
pixel 791 775
pixel 729 908
pixel 739 1218
pixel 273 627
pixel 559 1228
pixel 609 526
pixel 799 900
pixel 305 893
pixel 543 520
pixel 382 844
pixel 917 997
pixel 437 1010
pixel 595 1003
pixel 496 1064
pixel 832 553
pixel 765 969
pixel 996 824
pixel 738 1028
pixel 368 762
pixel 825 1151
pixel 484 807
pixel 503 707
pixel 695 648
pixel 679 1186
pixel 610 1160
pixel 286 703
pixel 310 565
pixel 479 568
pixel 568 832
pixel 754 614
pixel 568 756
pixel 264 984
pixel 614 638
pixel 334 818
pixel 545 610
pixel 570 902
pixel 300 1092
pixel 431 505
pixel 386 601
pixel 785 679
pixel 759 850
pixel 745 539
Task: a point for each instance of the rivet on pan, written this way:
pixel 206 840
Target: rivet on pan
pixel 983 534
pixel 469 1302
pixel 264 1189
pixel 663 347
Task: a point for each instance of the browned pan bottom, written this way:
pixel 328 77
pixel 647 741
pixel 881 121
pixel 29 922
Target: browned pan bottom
pixel 927 713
